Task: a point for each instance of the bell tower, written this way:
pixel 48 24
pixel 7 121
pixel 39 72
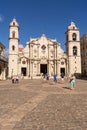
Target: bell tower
pixel 13 47
pixel 73 49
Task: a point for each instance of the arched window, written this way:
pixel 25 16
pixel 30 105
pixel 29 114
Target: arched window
pixel 74 50
pixel 74 36
pixel 13 47
pixel 13 34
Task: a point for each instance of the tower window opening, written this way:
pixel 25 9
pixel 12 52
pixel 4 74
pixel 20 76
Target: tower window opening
pixel 74 36
pixel 74 50
pixel 13 47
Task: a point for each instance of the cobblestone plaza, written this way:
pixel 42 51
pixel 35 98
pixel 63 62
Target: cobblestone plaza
pixel 43 105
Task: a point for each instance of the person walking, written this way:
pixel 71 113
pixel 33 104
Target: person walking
pixel 62 76
pixel 55 77
pixel 72 82
pixel 17 79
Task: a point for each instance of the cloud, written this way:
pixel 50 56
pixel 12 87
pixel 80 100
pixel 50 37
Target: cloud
pixel 21 46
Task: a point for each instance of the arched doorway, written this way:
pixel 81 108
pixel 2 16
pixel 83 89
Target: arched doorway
pixel 43 68
pixel 23 71
pixel 62 71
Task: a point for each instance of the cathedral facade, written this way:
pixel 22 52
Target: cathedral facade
pixel 44 55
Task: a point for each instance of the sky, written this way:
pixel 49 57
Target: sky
pixel 37 17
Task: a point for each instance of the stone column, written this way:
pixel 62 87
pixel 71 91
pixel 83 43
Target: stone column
pixel 29 61
pixel 31 57
pixel 27 67
pixel 3 74
pixel 67 71
pixel 55 58
pixel 31 50
pixel 38 51
pixel 58 69
pixel 38 62
pixel 48 67
pixel 31 69
pixel 38 67
pixel 48 61
pixel 55 66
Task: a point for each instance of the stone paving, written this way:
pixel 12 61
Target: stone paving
pixel 43 105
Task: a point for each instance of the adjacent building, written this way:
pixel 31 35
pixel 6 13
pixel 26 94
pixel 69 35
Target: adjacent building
pixel 3 63
pixel 84 54
pixel 43 54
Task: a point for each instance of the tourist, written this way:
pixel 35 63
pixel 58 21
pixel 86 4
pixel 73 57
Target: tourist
pixel 47 77
pixel 17 79
pixel 62 76
pixel 72 82
pixel 55 77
